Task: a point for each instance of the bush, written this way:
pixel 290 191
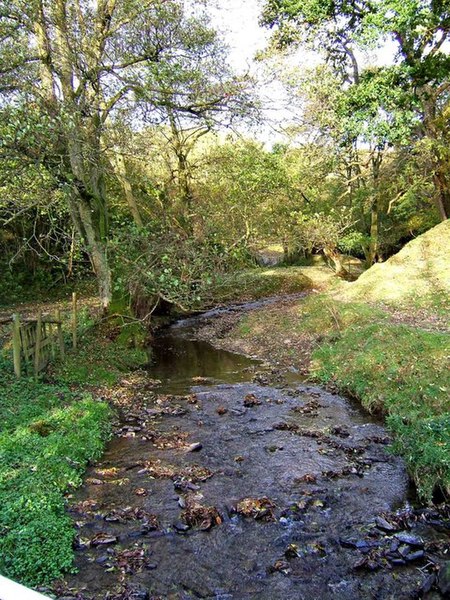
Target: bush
pixel 48 436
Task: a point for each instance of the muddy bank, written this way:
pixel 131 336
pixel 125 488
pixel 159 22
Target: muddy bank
pixel 227 481
pixel 221 329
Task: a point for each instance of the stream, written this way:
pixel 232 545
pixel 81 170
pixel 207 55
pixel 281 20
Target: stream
pixel 229 480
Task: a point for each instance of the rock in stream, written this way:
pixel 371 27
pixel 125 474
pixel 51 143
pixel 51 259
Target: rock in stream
pixel 237 490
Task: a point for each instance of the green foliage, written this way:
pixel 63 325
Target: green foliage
pixel 103 355
pixel 47 437
pixel 256 284
pixel 156 264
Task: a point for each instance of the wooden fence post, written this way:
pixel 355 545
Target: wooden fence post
pixel 37 349
pixel 16 345
pixel 60 333
pixel 74 320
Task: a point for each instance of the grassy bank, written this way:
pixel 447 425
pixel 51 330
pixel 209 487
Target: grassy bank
pixel 396 369
pixel 254 284
pixel 403 372
pixel 50 430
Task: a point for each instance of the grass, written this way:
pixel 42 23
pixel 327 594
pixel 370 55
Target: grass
pixel 395 369
pixel 49 433
pixel 316 315
pixel 100 360
pixel 418 275
pixel 403 372
pixel 255 283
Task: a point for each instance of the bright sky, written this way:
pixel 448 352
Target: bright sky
pixel 237 20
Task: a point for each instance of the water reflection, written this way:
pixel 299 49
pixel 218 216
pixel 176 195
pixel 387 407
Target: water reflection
pixel 178 360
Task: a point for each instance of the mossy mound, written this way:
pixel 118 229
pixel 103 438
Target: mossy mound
pixel 419 273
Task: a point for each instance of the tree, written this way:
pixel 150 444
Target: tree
pixel 68 68
pixel 420 29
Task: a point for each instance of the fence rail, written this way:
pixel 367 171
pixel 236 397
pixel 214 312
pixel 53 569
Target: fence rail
pixel 37 341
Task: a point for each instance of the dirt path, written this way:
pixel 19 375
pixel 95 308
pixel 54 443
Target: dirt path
pixel 255 487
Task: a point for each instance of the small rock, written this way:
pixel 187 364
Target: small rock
pixel 251 400
pixel 181 527
pixel 428 584
pixel 383 524
pixel 282 566
pixel 103 539
pixel 415 555
pixel 444 579
pixel 404 550
pixel 291 551
pixel 195 447
pixel 221 410
pixel 411 540
pixel 137 592
pixel 398 562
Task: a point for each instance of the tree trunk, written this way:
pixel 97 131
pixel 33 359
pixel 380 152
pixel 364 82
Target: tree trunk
pixel 374 231
pixel 82 215
pixel 121 173
pixel 439 164
pixel 442 193
pixel 333 255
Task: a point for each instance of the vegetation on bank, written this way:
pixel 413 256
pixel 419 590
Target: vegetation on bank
pixel 254 284
pixel 50 430
pixel 49 433
pixel 418 275
pixel 399 369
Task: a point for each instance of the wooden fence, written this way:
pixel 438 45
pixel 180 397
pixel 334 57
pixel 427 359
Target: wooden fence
pixel 37 341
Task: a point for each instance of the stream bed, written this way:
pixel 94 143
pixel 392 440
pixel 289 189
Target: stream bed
pixel 229 480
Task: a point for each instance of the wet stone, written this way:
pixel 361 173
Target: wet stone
pixel 444 579
pixel 411 540
pixel 384 525
pixel 195 447
pixel 181 527
pixel 264 527
pixel 418 555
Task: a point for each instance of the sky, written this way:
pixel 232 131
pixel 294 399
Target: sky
pixel 237 21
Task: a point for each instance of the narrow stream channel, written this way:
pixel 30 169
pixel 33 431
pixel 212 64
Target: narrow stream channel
pixel 217 486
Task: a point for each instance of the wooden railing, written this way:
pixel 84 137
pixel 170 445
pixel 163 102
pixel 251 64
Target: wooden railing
pixel 37 341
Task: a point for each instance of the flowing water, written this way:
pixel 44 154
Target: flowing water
pixel 217 486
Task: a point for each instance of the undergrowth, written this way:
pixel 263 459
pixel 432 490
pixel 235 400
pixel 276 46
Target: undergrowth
pixel 50 430
pixel 48 435
pixel 254 284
